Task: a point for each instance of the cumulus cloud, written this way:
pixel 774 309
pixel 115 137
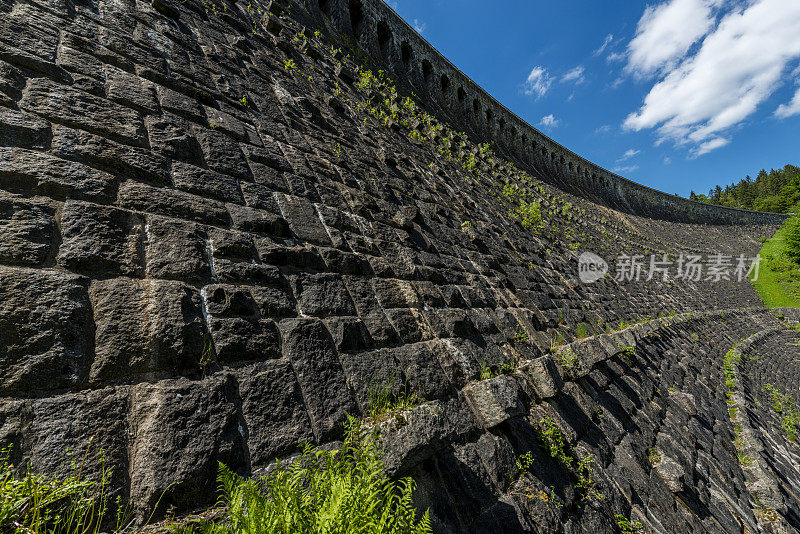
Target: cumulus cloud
pixel 738 65
pixel 574 75
pixel 629 154
pixel 548 121
pixel 538 82
pixel 792 108
pixel 665 33
pixel 606 42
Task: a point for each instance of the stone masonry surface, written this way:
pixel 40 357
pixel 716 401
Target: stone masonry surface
pixel 214 245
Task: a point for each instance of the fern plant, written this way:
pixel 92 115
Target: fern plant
pixel 326 492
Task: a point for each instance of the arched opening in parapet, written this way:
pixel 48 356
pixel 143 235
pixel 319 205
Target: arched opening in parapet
pixel 445 82
pixel 356 17
pixel 501 124
pixel 544 152
pixel 461 94
pixel 476 107
pixel 325 6
pixel 384 39
pixel 570 166
pixel 406 53
pixel 562 160
pixel 490 118
pixel 427 70
pixel 513 134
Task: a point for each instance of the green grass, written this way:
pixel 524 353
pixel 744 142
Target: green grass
pixel 35 504
pixel 342 491
pixel 778 282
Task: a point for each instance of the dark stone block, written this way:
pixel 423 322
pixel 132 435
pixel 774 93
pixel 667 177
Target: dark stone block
pixel 46 331
pixel 423 371
pixel 100 239
pixel 272 407
pixel 307 343
pixel 145 326
pixel 303 220
pixel 322 295
pixel 222 153
pixel 176 250
pixel 112 157
pixel 171 203
pixel 199 181
pixel 244 338
pixel 258 221
pixel 18 128
pixel 182 429
pixel 71 107
pixel 171 137
pixel 28 171
pixel 131 90
pixel 349 334
pixel 27 231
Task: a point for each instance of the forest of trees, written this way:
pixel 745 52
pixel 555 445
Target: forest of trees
pixel 776 191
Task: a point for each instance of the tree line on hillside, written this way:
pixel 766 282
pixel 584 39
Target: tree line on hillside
pixel 776 191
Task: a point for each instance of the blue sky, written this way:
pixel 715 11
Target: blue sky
pixel 679 95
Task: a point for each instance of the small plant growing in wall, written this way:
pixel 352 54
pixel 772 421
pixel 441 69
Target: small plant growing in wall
pixel 628 526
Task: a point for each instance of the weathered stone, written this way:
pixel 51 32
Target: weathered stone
pixel 232 126
pixel 71 107
pixel 258 221
pixel 130 90
pixel 27 231
pixel 272 406
pixel 182 429
pixel 493 401
pixel 18 128
pixel 46 331
pixel 303 220
pixel 242 338
pixel 322 295
pixel 171 137
pixel 171 203
pixel 349 334
pixel 105 154
pixel 100 239
pixel 543 375
pixel 425 375
pixel 307 343
pixel 29 171
pixel 222 154
pixel 181 104
pixel 671 473
pixel 176 250
pixel 144 327
pixel 206 183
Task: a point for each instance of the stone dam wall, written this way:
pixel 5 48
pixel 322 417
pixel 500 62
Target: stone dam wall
pixel 215 242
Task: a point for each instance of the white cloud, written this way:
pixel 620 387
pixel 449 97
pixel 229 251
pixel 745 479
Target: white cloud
pixel 789 109
pixel 538 82
pixel 548 121
pixel 606 42
pixel 708 146
pixel 419 26
pixel 621 169
pixel 604 129
pixel 667 160
pixel 737 67
pixel 665 33
pixel 615 56
pixel 574 75
pixel 628 154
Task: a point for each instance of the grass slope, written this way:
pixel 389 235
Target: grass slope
pixel 778 282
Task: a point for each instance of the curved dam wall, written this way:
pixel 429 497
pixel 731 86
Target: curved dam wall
pixel 211 250
pixel 454 97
